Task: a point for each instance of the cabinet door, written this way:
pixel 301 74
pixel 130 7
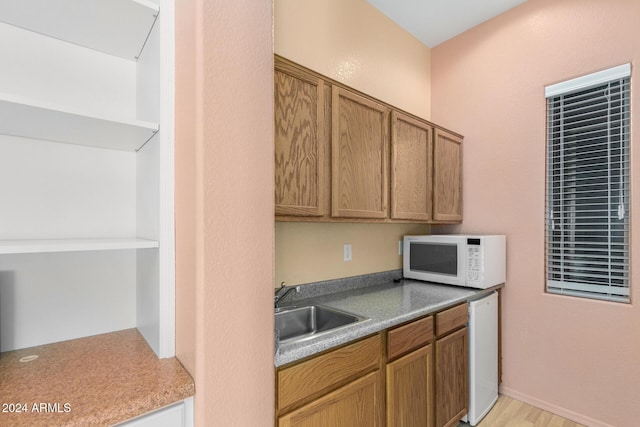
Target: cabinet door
pixel 411 168
pixel 306 381
pixel 299 142
pixel 410 390
pixel 451 378
pixel 357 404
pixel 447 177
pixel 359 156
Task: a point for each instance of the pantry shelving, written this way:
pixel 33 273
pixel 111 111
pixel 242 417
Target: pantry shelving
pixel 29 246
pixel 32 119
pixel 116 27
pixel 79 80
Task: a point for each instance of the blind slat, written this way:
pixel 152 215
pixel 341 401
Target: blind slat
pixel 617 290
pixel 587 213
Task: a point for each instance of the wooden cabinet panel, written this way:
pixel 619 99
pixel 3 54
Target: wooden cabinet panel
pixel 338 158
pixel 451 319
pixel 358 156
pixel 410 390
pixel 425 382
pixel 310 379
pixel 451 378
pixel 447 175
pixel 411 168
pixel 408 337
pixel 358 404
pixel 300 142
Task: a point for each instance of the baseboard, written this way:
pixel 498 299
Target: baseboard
pixel 550 407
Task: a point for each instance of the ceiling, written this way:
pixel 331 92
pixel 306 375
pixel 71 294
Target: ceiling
pixel 435 21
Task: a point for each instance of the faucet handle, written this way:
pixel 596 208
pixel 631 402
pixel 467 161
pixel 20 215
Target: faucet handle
pixel 281 288
pixel 281 292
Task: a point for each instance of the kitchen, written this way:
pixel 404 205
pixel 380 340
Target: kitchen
pixel 550 349
pixel 551 345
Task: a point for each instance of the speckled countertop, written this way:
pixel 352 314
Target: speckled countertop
pixel 94 381
pixel 386 304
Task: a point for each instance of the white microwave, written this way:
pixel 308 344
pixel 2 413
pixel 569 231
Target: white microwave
pixel 460 260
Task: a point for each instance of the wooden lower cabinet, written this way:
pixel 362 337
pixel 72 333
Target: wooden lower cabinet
pixel 342 387
pixel 452 378
pixel 410 389
pixel 357 404
pixel 412 375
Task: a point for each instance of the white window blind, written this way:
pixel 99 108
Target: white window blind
pixel 587 204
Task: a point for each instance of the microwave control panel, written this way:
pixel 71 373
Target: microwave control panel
pixel 474 259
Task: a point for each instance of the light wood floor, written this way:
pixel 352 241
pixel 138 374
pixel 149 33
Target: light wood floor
pixel 509 412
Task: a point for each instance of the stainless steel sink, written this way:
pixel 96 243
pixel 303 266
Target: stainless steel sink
pixel 299 323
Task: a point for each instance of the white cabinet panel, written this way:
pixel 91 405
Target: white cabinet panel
pixel 178 415
pixel 66 76
pixel 63 191
pixel 53 297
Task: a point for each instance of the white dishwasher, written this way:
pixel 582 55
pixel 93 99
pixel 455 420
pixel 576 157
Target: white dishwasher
pixel 483 357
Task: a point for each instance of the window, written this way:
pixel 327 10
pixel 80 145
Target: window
pixel 587 202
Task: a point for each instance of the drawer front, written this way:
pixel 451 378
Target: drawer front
pixel 310 379
pixel 451 319
pixel 405 338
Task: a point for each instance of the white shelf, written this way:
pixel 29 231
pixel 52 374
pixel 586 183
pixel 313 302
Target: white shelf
pixel 116 27
pixel 72 245
pixel 27 118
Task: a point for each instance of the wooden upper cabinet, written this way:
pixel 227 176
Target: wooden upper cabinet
pixel 411 168
pixel 343 156
pixel 447 189
pixel 358 156
pixel 299 142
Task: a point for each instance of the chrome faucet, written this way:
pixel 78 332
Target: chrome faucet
pixel 280 294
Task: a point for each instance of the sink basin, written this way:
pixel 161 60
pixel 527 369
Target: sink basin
pixel 299 323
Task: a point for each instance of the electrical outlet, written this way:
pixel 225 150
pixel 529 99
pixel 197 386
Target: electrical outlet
pixel 400 247
pixel 347 252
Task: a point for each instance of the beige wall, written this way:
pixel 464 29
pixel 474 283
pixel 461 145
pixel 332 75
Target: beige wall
pixel 224 208
pixel 576 357
pixel 352 42
pixel 308 252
